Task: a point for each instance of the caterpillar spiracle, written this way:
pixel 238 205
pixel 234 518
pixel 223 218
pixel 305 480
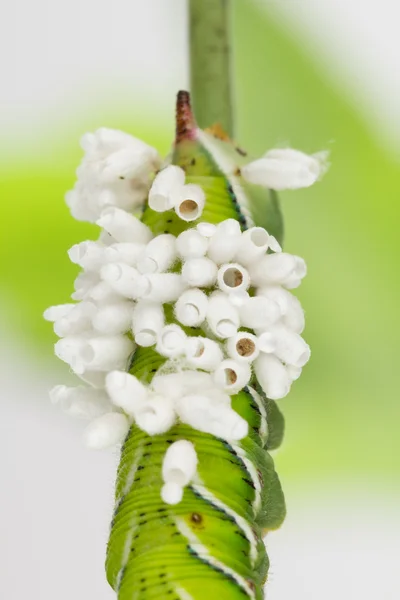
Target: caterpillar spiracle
pixel 185 333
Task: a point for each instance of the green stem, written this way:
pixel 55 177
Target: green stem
pixel 210 63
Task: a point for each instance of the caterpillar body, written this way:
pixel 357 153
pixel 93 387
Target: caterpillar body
pixel 210 544
pixel 185 332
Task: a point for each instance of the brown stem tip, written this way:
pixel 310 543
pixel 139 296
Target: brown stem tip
pixel 185 121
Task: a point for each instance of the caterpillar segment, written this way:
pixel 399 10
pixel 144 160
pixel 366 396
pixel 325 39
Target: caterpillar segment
pixel 209 545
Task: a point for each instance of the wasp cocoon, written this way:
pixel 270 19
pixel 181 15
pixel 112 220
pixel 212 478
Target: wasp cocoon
pixel 243 347
pixel 156 415
pixel 122 278
pixel 191 308
pixel 273 268
pixel 224 244
pixel 161 192
pixel 207 230
pixel 171 341
pixel 82 402
pixel 199 272
pixel 290 347
pixel 203 353
pixel 253 245
pixel 84 283
pixel 180 463
pixel 171 493
pixel 272 376
pixel 189 202
pixel 147 322
pixel 191 244
pixel 285 169
pixel 200 412
pixel 106 431
pixel 222 317
pixel 232 375
pixel 233 278
pixel 291 309
pixel 123 226
pixel 113 318
pixel 125 252
pixel 54 313
pixel 160 287
pixel 159 254
pixel 258 312
pixel 88 255
pixel 75 321
pixel 106 352
pixel 126 391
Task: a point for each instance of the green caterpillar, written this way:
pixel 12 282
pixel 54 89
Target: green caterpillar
pixel 210 544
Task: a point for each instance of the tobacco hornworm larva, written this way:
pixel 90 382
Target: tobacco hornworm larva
pixel 210 544
pixel 185 333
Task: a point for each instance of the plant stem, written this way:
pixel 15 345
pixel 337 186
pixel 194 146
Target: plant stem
pixel 210 63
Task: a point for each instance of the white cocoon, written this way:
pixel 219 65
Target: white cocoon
pixel 113 318
pixel 273 268
pixel 189 201
pixel 243 347
pixel 232 277
pixel 217 418
pixel 84 283
pixel 125 252
pixel 177 385
pixel 224 244
pixel 293 372
pixel 106 352
pixel 126 391
pixel 207 230
pixel 191 244
pixel 203 353
pixel 199 272
pixel 172 493
pixel 161 287
pixel 122 278
pixel 222 317
pixel 272 376
pixel 106 431
pixel 148 320
pixel 191 308
pixel 123 226
pixel 232 375
pixel 259 312
pixel 180 463
pixel 159 254
pixel 156 415
pixel 292 312
pixel 103 293
pixel 165 182
pixel 53 313
pixel 284 169
pixel 82 402
pixel 253 245
pixel 88 255
pixel 76 320
pixel 171 341
pixel 290 347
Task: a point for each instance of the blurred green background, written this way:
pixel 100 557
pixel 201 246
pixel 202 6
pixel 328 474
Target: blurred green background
pixel 343 415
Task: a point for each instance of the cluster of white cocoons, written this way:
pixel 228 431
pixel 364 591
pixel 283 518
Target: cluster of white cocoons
pixel 231 285
pixel 115 171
